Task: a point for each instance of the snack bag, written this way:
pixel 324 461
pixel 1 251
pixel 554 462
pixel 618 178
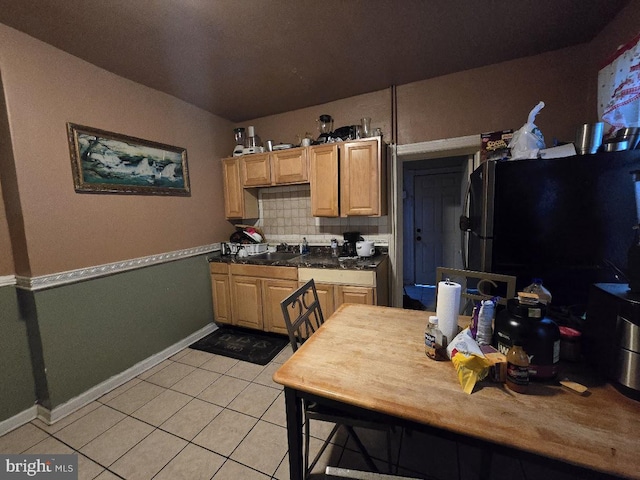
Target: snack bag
pixel 469 361
pixel 528 141
pixel 471 369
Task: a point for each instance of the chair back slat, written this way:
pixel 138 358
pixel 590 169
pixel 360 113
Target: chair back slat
pixel 302 313
pixel 477 286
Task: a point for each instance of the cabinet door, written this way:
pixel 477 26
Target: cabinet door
pixel 238 201
pixel 256 170
pixel 247 301
pixel 326 294
pixel 221 298
pixel 290 166
pixel 361 171
pixel 352 294
pixel 273 292
pixel 323 178
pixel 233 195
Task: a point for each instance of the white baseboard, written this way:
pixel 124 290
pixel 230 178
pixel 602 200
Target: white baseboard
pixel 18 420
pixel 67 408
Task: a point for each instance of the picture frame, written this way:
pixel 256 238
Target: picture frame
pixel 107 162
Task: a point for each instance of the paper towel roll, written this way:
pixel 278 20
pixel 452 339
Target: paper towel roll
pixel 447 308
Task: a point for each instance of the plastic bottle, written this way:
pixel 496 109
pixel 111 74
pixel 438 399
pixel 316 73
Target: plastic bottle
pixel 304 246
pixel 433 339
pixel 334 247
pixel 484 333
pixel 517 368
pixel 544 296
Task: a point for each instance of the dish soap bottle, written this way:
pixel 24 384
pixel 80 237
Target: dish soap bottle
pixel 304 246
pixel 517 368
pixel 433 339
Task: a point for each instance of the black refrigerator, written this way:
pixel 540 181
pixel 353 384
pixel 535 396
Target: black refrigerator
pixel 568 221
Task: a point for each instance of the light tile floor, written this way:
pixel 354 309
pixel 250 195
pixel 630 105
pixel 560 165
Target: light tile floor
pixel 198 416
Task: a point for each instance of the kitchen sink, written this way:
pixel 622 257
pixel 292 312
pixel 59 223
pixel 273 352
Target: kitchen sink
pixel 276 256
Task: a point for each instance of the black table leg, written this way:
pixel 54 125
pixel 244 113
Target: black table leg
pixel 293 405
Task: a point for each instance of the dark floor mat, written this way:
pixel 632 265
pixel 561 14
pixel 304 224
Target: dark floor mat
pixel 243 344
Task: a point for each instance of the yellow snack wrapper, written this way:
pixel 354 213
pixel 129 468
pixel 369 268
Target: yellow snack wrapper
pixel 471 369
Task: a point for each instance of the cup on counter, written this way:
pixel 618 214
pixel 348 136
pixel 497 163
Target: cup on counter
pixel 305 142
pixel 365 125
pixel 589 138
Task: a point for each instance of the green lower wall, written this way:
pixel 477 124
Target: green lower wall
pixel 17 387
pixel 95 329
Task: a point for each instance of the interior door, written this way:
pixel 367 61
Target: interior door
pixel 436 236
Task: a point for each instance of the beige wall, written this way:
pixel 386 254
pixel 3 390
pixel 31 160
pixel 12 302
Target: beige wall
pixel 498 97
pixel 286 127
pixel 6 253
pixel 44 89
pixel 494 97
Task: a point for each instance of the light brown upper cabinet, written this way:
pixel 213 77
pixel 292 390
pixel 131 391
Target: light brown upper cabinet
pixel 363 179
pixel 290 166
pixel 323 163
pixel 349 179
pixel 256 170
pixel 282 167
pixel 238 201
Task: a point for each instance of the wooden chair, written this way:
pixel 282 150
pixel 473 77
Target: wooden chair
pixel 476 286
pixel 303 316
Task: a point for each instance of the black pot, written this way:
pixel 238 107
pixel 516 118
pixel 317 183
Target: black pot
pixel 352 237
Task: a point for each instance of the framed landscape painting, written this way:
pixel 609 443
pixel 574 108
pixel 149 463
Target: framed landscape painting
pixel 106 162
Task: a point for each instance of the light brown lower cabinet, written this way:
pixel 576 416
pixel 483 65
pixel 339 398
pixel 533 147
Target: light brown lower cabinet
pixel 221 292
pixel 273 292
pixel 256 293
pixel 355 294
pixel 246 295
pixel 336 287
pixel 326 297
pixel 332 296
pixel 250 295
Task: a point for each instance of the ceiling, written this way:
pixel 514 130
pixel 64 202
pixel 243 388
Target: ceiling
pixel 245 59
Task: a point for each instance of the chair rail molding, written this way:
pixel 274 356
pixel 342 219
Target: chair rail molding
pixel 82 274
pixel 7 280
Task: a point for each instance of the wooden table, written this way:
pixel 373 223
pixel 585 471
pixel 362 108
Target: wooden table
pixel 372 359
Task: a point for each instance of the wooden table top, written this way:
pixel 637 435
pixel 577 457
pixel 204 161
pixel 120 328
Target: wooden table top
pixel 373 357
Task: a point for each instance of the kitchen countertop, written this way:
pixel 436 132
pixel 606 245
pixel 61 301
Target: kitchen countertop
pixel 312 260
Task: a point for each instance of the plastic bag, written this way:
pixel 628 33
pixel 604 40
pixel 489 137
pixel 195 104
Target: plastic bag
pixel 528 141
pixel 469 361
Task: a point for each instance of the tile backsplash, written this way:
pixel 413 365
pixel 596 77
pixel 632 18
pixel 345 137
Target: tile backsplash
pixel 285 216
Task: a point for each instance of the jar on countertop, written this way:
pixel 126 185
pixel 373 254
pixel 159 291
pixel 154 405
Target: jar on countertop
pixel 539 335
pixel 570 344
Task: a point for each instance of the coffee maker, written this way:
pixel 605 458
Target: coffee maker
pixel 349 245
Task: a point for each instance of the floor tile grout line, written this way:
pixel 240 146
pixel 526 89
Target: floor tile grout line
pixel 77 451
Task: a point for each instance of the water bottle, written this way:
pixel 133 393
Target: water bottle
pixel 544 296
pixel 433 341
